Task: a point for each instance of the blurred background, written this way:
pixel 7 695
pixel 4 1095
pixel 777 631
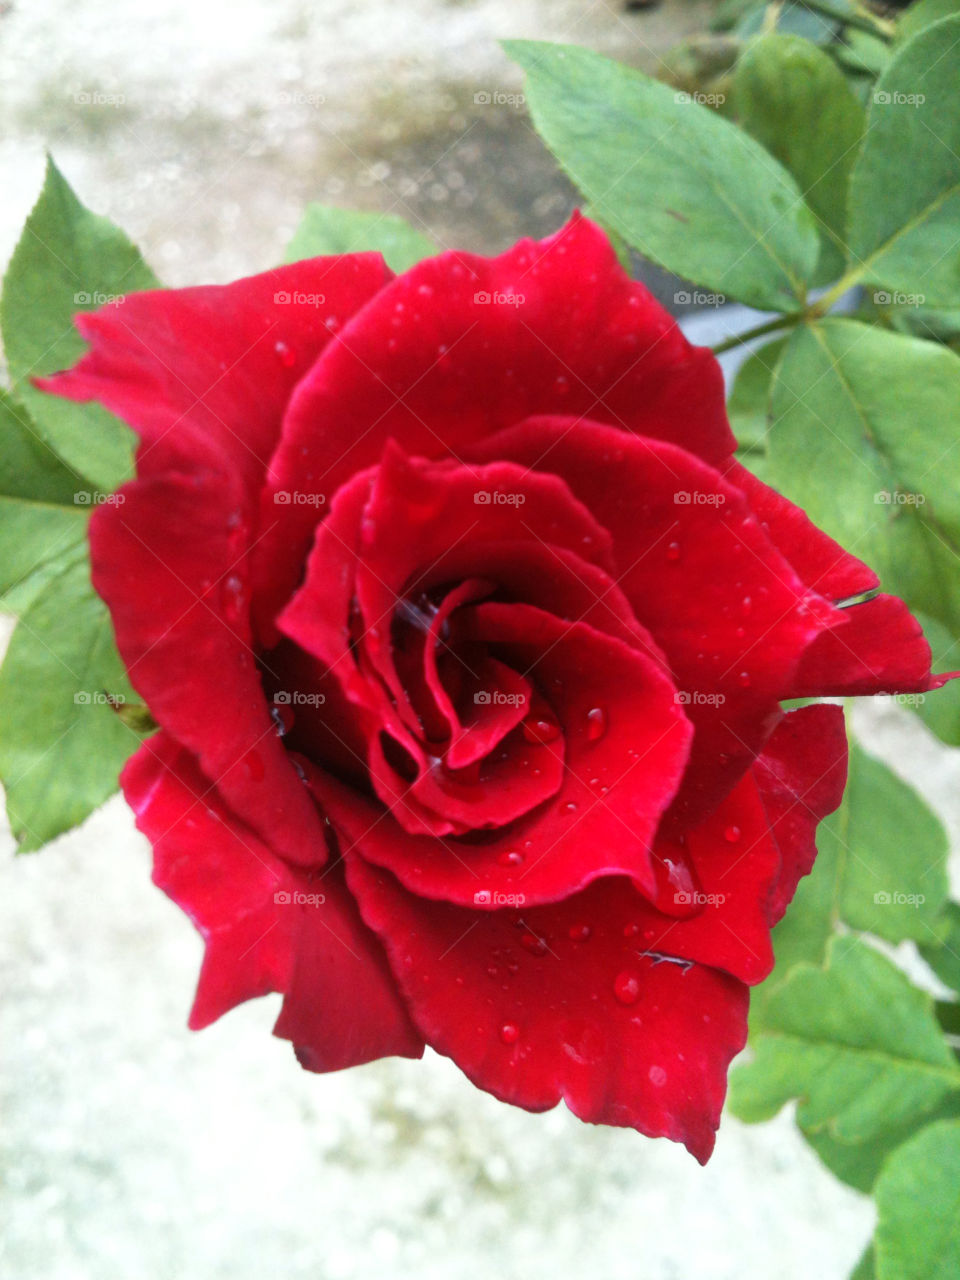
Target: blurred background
pixel 132 1147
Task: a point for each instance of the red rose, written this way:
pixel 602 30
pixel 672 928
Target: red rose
pixel 467 639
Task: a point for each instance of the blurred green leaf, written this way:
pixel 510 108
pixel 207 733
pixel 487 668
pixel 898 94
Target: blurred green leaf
pixel 855 1042
pixel 943 956
pixel 918 1207
pixel 685 187
pixel 325 229
pixel 781 86
pixel 904 218
pixel 861 51
pixel 865 436
pixel 67 260
pixel 42 525
pixel 62 744
pixel 923 14
pixel 748 406
pixel 880 852
pixel 789 18
pixel 859 1163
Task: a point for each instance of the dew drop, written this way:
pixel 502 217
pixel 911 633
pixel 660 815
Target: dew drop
pixel 511 858
pixel 540 729
pixel 579 932
pixel 673 550
pixel 509 1033
pixel 658 1076
pixel 286 356
pixel 631 930
pixel 254 766
pixel 732 834
pixel 561 385
pixel 571 806
pixel 596 724
pixel 536 946
pixel 744 679
pixel 626 987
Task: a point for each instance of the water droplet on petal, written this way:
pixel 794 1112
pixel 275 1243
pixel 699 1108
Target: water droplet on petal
pixel 626 987
pixel 732 834
pixel 536 946
pixel 511 858
pixel 540 729
pixel 286 356
pixel 509 1033
pixel 673 550
pixel 631 930
pixel 561 385
pixel 658 1076
pixel 579 932
pixel 744 679
pixel 596 723
pixel 254 766
pixel 571 806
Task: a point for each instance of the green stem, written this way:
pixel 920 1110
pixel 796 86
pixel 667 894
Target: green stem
pixel 761 330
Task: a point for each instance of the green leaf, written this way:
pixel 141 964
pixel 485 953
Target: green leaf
pixel 866 1268
pixel 325 229
pixel 881 868
pixel 943 956
pixel 865 437
pixel 782 83
pixel 62 744
pixel 863 52
pixel 906 233
pixel 43 526
pixel 748 407
pixel 855 1042
pixel 688 189
pixel 859 1163
pixel 922 15
pixel 918 1207
pixel 789 18
pixel 940 710
pixel 67 260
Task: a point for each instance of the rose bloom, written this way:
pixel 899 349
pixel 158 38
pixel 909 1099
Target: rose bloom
pixel 467 638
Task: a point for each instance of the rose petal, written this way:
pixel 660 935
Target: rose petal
pixel 341 1005
pixel 801 775
pixel 556 1002
pixel 436 362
